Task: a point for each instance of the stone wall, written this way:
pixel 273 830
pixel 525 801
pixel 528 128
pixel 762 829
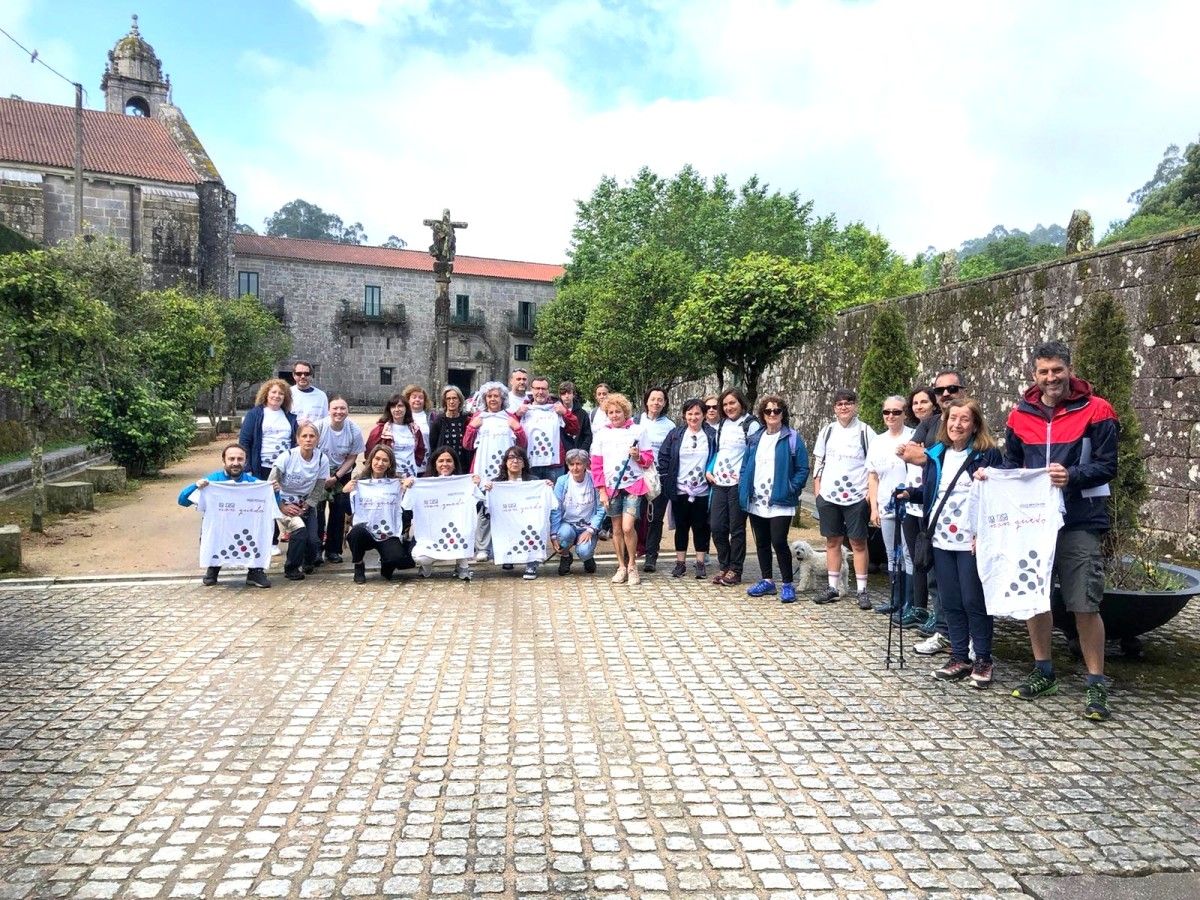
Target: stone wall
pixel 322 305
pixel 987 327
pixel 21 206
pixel 169 236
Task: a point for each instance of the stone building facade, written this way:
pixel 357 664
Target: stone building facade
pixel 364 316
pixel 148 181
pixel 986 328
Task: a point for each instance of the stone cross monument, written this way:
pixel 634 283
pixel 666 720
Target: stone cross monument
pixel 442 251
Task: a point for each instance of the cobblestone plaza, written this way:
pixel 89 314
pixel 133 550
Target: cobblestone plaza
pixel 565 737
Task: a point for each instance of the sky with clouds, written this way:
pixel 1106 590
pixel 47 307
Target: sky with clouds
pixel 929 121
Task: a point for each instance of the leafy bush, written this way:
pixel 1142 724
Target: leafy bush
pixel 143 431
pixel 890 366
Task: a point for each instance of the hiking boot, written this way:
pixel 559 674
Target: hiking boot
pixel 929 627
pixel 701 570
pixel 293 574
pixel 884 608
pixel 257 578
pixel 864 600
pixel 719 578
pixel 309 568
pixel 934 644
pixel 589 566
pixel 360 573
pixel 829 595
pixel 1036 685
pixel 210 576
pixel 730 578
pixel 530 571
pixel 761 588
pixel 564 564
pixel 787 594
pixel 1096 707
pixel 333 557
pixel 954 670
pixel 651 564
pixel 981 674
pixel 911 618
pixel 679 570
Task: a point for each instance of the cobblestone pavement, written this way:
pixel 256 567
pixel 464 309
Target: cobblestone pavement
pixel 565 737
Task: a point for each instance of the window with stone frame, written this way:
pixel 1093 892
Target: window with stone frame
pixel 526 312
pixel 462 307
pixel 522 352
pixel 385 374
pixel 373 300
pixel 247 284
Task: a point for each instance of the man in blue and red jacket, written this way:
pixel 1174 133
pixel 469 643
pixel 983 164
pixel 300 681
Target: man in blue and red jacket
pixel 1062 426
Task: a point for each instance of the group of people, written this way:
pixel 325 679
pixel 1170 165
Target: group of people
pixel 618 474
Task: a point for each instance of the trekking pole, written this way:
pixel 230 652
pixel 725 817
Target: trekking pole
pixel 898 576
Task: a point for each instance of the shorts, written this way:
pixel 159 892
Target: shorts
pixel 1080 567
pixel 843 521
pixel 624 502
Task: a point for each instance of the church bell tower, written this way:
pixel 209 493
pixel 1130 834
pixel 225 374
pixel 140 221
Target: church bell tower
pixel 133 82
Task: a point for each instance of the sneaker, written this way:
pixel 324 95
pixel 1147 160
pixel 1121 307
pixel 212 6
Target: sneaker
pixel 762 588
pixel 293 574
pixel 530 572
pixel 564 564
pixel 1036 685
pixel 481 556
pixel 589 566
pixel 333 557
pixel 650 566
pixel 462 570
pixel 829 595
pixel 912 618
pixel 932 645
pixel 275 551
pixel 360 574
pixel 210 576
pixel 620 575
pixel 634 576
pixel 701 570
pixel 730 578
pixel 864 600
pixel 258 578
pixel 1096 708
pixel 507 567
pixel 719 578
pixel 981 674
pixel 953 671
pixel 787 594
pixel 884 608
pixel 309 568
pixel 679 570
pixel 929 627
pixel 426 570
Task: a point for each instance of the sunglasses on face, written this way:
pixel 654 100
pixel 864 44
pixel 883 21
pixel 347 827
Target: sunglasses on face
pixel 948 389
pixel 302 374
pixel 772 411
pixel 711 406
pixel 893 412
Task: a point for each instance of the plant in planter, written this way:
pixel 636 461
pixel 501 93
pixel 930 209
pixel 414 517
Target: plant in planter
pixel 1141 592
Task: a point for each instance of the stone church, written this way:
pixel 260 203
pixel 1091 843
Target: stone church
pixel 362 315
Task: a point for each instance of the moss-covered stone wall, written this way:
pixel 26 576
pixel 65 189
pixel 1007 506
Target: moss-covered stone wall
pixel 987 327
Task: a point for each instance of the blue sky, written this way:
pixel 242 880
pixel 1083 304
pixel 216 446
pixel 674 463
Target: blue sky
pixel 930 121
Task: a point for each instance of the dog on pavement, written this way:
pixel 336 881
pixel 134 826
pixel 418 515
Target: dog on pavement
pixel 809 560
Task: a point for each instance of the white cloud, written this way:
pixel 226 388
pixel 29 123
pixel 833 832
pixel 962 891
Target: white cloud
pixel 364 12
pixel 932 123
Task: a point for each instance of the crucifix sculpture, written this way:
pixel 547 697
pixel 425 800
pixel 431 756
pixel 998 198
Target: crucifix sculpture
pixel 442 250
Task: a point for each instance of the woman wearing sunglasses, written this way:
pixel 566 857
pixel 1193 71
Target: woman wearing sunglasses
pixel 682 461
pixel 774 470
pixel 885 472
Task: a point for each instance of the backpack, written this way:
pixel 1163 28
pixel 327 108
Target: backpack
pixel 823 439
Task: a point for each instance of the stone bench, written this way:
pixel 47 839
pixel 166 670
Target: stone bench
pixel 106 479
pixel 204 435
pixel 70 496
pixel 10 548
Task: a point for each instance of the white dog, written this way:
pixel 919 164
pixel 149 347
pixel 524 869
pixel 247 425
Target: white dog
pixel 810 559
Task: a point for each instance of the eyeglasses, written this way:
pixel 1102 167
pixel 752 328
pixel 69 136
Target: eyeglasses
pixel 302 374
pixel 772 411
pixel 711 406
pixel 948 389
pixel 893 412
pixel 845 403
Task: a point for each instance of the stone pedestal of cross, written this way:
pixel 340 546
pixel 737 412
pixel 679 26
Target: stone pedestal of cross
pixel 442 250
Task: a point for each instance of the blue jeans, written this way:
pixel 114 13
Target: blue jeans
pixel 568 534
pixel 960 597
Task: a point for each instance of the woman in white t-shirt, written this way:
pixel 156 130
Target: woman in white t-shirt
pixel 395 428
pixel 300 477
pixel 885 472
pixel 418 404
pixel 621 452
pixel 727 518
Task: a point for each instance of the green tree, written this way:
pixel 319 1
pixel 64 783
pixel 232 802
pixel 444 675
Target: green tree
pixel 181 344
pixel 255 342
pixel 1168 201
pixel 301 219
pixel 889 367
pixel 1007 253
pixel 750 313
pixel 140 428
pixel 243 228
pixel 394 242
pixel 1104 357
pixel 53 334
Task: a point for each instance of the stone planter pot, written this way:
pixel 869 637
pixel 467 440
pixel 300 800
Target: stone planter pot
pixel 1128 614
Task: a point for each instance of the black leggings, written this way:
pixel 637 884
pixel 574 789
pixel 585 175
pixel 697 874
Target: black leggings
pixel 771 533
pixel 920 580
pixel 392 553
pixel 690 516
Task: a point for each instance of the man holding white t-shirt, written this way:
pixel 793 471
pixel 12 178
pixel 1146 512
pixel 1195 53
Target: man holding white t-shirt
pixel 840 488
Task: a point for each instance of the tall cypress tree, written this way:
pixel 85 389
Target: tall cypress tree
pixel 890 366
pixel 1104 357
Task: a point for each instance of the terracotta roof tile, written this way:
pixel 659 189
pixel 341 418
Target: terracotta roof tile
pixel 43 134
pixel 385 258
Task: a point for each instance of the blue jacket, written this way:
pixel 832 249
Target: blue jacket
pixel 250 437
pixel 560 491
pixel 931 475
pixel 668 456
pixel 185 496
pixel 791 468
